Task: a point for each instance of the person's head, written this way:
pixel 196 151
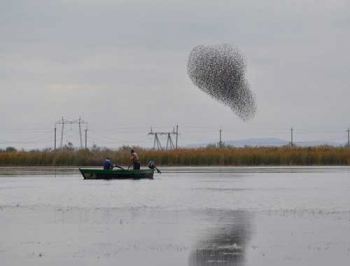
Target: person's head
pixel 132 151
pixel 107 158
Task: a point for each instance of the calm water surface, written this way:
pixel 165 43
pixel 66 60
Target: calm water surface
pixel 185 216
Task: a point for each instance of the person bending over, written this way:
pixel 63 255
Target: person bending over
pixel 134 161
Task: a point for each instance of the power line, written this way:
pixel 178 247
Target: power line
pixel 27 140
pixel 169 143
pixel 78 122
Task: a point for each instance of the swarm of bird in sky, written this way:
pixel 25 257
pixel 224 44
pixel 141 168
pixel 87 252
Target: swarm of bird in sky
pixel 219 70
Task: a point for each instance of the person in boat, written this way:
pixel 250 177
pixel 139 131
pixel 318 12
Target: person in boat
pixel 134 161
pixel 107 165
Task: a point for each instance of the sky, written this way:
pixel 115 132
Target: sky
pixel 121 66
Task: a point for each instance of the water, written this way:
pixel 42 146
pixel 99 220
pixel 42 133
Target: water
pixel 185 216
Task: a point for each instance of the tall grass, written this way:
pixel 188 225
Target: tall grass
pixel 184 157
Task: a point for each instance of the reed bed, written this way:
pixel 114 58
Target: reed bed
pixel 228 156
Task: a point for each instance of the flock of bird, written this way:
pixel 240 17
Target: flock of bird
pixel 219 71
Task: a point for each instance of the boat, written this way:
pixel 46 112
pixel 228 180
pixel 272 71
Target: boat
pixel 116 174
pixel 119 173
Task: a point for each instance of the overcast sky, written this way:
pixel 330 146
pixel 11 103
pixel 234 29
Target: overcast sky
pixel 122 67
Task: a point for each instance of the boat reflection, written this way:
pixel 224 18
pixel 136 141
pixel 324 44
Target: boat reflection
pixel 225 245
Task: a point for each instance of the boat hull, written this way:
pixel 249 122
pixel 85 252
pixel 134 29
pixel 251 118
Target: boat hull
pixel 117 174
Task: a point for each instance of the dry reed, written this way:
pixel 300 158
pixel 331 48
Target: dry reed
pixel 228 156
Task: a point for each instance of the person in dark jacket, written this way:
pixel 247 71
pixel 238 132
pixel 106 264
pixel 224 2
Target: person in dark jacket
pixel 107 165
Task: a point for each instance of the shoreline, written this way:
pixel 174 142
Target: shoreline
pixel 185 169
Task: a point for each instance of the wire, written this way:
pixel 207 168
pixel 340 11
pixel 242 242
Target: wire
pixel 26 140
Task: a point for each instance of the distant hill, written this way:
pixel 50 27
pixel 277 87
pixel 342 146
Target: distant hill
pixel 268 142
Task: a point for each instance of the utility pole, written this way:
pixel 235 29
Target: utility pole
pixel 86 138
pixel 81 140
pixel 169 143
pixel 348 137
pixel 157 142
pixel 62 133
pixel 55 139
pixel 79 122
pixel 177 134
pixel 220 143
pixel 291 137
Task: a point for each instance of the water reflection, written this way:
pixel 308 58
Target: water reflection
pixel 225 245
pixel 36 171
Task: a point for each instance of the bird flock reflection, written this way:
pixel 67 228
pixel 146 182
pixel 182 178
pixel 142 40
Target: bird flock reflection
pixel 227 244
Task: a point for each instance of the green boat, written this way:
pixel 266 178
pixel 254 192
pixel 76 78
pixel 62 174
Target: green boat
pixel 116 174
pixel 120 173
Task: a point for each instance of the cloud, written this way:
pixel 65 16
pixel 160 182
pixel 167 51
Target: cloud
pixel 63 87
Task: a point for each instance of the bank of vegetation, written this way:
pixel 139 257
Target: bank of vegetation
pixel 227 156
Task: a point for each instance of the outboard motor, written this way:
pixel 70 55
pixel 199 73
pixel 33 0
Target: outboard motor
pixel 151 165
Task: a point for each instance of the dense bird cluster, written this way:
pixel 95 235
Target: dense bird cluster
pixel 219 71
